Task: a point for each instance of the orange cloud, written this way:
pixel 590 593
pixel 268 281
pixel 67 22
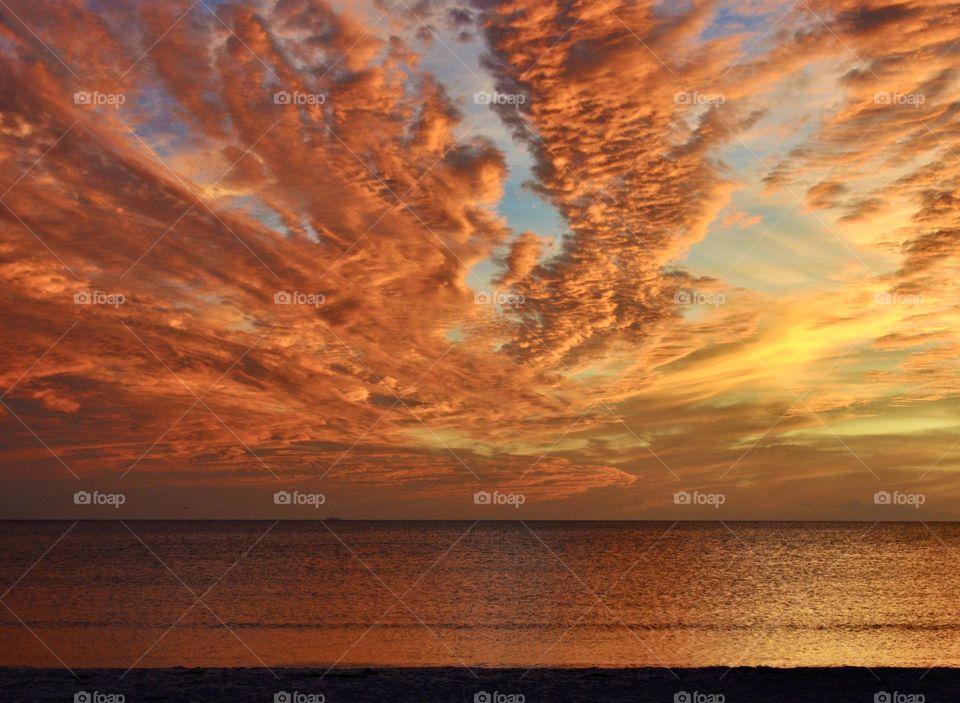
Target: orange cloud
pixel 270 214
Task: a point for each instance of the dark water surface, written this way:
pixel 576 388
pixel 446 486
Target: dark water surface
pixel 485 594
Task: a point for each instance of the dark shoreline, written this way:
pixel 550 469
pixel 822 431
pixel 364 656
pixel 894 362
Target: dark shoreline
pixel 449 685
pixel 799 522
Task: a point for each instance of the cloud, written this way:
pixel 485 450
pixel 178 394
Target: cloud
pixel 291 198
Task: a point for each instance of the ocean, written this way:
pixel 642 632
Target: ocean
pixel 489 594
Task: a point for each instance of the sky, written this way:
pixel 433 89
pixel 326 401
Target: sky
pixel 523 259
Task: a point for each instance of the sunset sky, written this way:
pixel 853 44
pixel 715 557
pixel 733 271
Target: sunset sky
pixel 697 246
